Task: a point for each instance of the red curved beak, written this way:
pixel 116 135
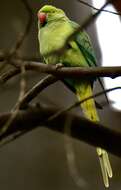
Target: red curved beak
pixel 42 17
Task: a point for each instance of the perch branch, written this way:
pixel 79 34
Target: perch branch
pixel 73 72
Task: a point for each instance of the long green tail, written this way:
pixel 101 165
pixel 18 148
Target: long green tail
pixel 83 91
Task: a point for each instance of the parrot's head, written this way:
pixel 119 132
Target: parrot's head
pixel 49 13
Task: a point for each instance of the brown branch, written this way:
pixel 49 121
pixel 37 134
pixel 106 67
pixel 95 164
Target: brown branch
pixel 33 92
pixel 71 72
pixel 44 83
pixel 15 109
pixel 9 74
pixel 75 72
pixel 81 129
pixel 25 98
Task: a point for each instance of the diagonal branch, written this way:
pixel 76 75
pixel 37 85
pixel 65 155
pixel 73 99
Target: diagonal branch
pixel 74 105
pixel 23 35
pixel 97 9
pixel 33 92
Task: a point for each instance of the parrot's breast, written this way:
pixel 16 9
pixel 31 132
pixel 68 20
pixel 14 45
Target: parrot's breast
pixel 52 37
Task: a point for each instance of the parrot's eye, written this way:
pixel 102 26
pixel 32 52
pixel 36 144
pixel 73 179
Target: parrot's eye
pixel 42 18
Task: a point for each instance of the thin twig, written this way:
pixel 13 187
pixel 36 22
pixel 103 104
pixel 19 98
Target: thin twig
pixel 97 9
pixel 15 109
pixel 9 74
pixel 23 84
pixel 64 110
pixel 35 90
pixel 23 35
pixel 12 138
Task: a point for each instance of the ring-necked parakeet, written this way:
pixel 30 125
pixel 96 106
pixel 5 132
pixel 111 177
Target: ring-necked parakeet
pixel 54 27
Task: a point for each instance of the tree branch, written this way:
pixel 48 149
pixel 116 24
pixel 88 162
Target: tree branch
pixel 33 92
pixel 24 34
pixel 72 72
pixel 97 9
pixel 25 120
pixel 64 110
pixel 81 129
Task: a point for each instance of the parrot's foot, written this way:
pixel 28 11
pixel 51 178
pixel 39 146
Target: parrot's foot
pixel 59 65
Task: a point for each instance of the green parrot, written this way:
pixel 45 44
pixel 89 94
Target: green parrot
pixel 54 27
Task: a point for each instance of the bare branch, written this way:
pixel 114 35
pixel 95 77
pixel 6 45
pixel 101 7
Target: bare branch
pixel 15 109
pixel 76 72
pixel 97 9
pixel 71 72
pixel 9 74
pixel 33 92
pixel 23 35
pixel 61 111
pixel 44 83
pixel 81 129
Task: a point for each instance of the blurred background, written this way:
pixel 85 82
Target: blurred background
pixel 38 159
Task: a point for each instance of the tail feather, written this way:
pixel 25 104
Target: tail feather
pixel 105 166
pixel 88 107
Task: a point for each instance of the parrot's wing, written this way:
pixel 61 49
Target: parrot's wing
pixel 83 41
